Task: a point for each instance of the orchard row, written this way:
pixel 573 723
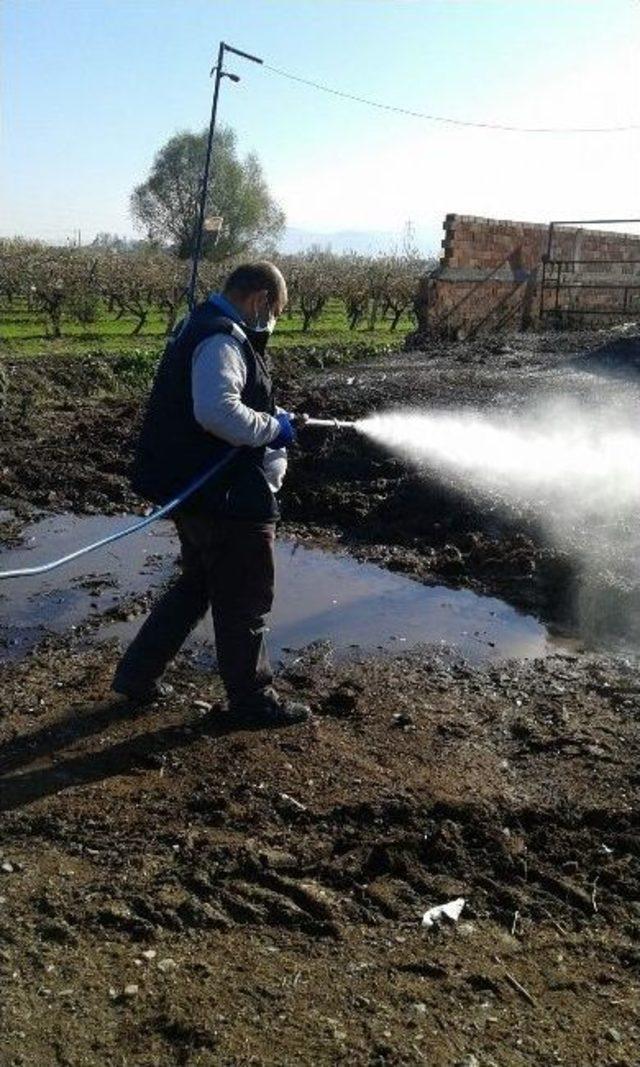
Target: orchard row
pixel 81 284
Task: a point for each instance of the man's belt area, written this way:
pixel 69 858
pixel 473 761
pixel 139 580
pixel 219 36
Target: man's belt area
pixel 242 493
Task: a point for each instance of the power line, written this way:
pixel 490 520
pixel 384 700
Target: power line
pixel 442 118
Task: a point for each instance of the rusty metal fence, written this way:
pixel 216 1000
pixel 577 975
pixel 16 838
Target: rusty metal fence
pixel 573 286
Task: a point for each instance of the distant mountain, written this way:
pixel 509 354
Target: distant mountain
pixel 367 242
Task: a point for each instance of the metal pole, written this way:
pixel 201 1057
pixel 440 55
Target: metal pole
pixel 545 259
pixel 205 179
pixel 202 206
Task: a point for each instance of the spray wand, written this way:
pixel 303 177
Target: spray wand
pixel 302 421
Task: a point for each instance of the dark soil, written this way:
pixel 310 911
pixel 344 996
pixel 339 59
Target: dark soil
pixel 173 892
pixel 283 875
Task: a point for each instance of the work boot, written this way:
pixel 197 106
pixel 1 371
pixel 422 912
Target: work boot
pixel 268 708
pixel 142 694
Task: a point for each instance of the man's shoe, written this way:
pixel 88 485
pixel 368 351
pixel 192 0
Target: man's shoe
pixel 268 709
pixel 142 694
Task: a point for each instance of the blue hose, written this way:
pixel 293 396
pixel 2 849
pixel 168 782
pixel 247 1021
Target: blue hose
pixel 43 568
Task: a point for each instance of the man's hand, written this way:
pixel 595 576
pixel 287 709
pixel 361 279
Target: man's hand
pixel 287 433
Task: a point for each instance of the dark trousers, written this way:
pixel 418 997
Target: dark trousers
pixel 227 565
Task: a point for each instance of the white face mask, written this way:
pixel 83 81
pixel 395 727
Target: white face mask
pixel 266 322
pixel 268 326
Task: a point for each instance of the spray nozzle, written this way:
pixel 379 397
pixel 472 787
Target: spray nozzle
pixel 302 421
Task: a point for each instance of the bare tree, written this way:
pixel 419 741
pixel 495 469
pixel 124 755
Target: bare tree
pixel 311 278
pixel 60 281
pixel 354 288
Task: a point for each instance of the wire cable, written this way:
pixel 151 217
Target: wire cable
pixel 197 483
pixel 443 119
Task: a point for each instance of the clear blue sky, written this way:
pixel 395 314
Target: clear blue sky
pixel 92 88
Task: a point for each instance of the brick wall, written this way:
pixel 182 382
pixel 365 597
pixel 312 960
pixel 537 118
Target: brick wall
pixel 490 277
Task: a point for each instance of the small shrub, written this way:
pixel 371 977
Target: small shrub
pixel 137 367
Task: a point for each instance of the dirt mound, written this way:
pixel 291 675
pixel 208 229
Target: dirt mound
pixel 618 355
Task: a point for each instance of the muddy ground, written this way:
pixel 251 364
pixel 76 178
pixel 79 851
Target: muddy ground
pixel 175 893
pixel 68 427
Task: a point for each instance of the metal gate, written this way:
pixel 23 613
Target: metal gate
pixel 573 286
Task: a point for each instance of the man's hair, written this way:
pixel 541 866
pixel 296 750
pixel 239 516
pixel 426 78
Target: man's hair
pixel 252 277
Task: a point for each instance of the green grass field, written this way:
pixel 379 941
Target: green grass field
pixel 26 332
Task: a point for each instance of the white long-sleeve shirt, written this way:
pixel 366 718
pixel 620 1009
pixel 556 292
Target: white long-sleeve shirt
pixel 218 377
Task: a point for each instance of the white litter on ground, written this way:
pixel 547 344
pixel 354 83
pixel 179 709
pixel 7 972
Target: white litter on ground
pixel 451 911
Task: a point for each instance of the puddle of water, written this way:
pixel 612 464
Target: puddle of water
pixel 320 597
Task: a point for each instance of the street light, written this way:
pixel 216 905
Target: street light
pixel 220 73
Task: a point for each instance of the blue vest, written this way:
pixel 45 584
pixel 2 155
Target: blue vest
pixel 173 448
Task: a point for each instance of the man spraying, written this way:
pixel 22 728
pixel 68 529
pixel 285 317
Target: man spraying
pixel 212 393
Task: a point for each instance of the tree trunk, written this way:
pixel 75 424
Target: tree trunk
pixel 53 308
pixel 354 312
pixel 54 315
pixel 142 318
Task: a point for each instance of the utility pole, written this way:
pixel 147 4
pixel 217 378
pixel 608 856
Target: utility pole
pixel 220 74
